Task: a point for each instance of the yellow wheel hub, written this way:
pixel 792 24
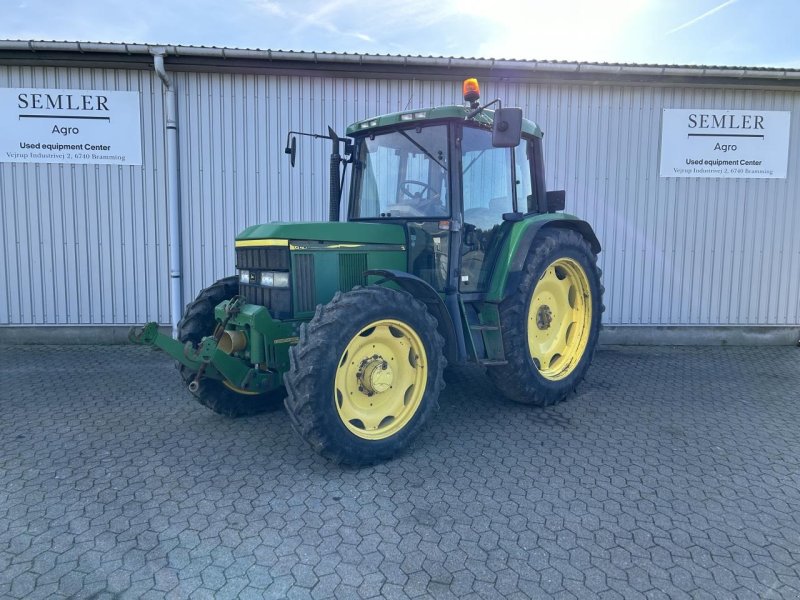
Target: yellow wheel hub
pixel 559 319
pixel 380 380
pixel 377 376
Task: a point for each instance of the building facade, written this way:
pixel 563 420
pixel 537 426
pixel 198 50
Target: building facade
pixel 86 247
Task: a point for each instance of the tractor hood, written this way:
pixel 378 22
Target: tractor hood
pixel 360 233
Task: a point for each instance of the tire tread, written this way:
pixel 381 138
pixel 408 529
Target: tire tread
pixel 305 390
pixel 512 379
pixel 199 321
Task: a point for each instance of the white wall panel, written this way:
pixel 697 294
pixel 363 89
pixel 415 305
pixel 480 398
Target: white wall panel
pixel 88 244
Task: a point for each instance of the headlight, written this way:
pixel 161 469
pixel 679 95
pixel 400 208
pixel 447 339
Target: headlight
pixel 244 276
pixel 281 280
pixel 274 279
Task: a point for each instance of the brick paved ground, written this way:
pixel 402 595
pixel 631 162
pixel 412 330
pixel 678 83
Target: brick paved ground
pixel 674 473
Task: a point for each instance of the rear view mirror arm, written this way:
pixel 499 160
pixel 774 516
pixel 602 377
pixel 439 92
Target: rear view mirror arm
pixel 291 143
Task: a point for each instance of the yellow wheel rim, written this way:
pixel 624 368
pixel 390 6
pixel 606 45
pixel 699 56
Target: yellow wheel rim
pixel 380 379
pixel 559 319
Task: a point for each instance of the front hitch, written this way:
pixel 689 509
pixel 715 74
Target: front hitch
pixel 231 309
pixel 145 335
pixel 149 335
pixel 207 359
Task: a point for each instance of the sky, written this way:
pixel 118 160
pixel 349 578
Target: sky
pixel 711 32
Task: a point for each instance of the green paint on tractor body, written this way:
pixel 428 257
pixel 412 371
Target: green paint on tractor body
pixel 362 233
pixel 511 247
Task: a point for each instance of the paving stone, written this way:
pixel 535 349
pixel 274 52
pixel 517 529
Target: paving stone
pixel 673 473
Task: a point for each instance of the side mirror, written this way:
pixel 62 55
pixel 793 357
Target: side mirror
pixel 556 200
pixel 507 128
pixel 291 150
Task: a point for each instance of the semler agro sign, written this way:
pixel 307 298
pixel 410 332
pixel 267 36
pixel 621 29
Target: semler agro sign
pixel 70 126
pixel 702 142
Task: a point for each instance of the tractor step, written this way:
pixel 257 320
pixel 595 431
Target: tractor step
pixel 484 327
pixel 492 363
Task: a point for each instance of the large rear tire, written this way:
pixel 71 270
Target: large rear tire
pixel 551 323
pixel 222 397
pixel 365 375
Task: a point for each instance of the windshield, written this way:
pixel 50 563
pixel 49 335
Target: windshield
pixel 402 174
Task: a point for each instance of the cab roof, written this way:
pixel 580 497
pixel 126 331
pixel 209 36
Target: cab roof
pixel 421 115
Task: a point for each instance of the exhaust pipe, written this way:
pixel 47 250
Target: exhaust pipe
pixel 232 341
pixel 335 197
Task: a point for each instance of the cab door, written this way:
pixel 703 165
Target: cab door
pixel 493 182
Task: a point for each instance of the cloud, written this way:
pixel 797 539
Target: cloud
pixel 326 17
pixel 708 13
pixel 270 7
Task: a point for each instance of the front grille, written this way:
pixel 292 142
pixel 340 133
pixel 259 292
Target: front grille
pixel 277 300
pixel 263 259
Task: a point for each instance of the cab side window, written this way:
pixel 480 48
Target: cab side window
pixel 487 187
pixel 486 179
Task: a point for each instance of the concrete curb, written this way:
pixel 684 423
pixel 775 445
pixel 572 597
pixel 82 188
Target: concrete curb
pixel 77 334
pixel 699 335
pixel 626 335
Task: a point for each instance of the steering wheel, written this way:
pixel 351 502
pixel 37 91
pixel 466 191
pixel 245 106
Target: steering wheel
pixel 432 196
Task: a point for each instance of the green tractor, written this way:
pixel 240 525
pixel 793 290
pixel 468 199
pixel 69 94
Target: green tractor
pixel 452 252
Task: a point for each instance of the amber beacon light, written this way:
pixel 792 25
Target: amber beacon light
pixel 472 90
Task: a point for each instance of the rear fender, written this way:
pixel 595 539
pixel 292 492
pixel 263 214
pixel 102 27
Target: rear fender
pixel 511 261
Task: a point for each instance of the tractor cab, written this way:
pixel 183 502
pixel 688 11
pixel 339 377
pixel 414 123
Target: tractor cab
pixel 440 173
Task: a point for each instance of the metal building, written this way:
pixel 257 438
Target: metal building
pixel 86 247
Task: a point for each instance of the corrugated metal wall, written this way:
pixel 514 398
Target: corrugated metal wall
pixel 676 251
pixel 86 244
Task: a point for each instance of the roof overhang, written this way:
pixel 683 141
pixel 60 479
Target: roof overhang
pixel 200 58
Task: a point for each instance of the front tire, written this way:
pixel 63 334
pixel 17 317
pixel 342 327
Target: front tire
pixel 551 323
pixel 222 397
pixel 365 375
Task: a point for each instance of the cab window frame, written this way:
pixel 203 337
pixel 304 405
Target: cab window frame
pixel 357 178
pixel 463 127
